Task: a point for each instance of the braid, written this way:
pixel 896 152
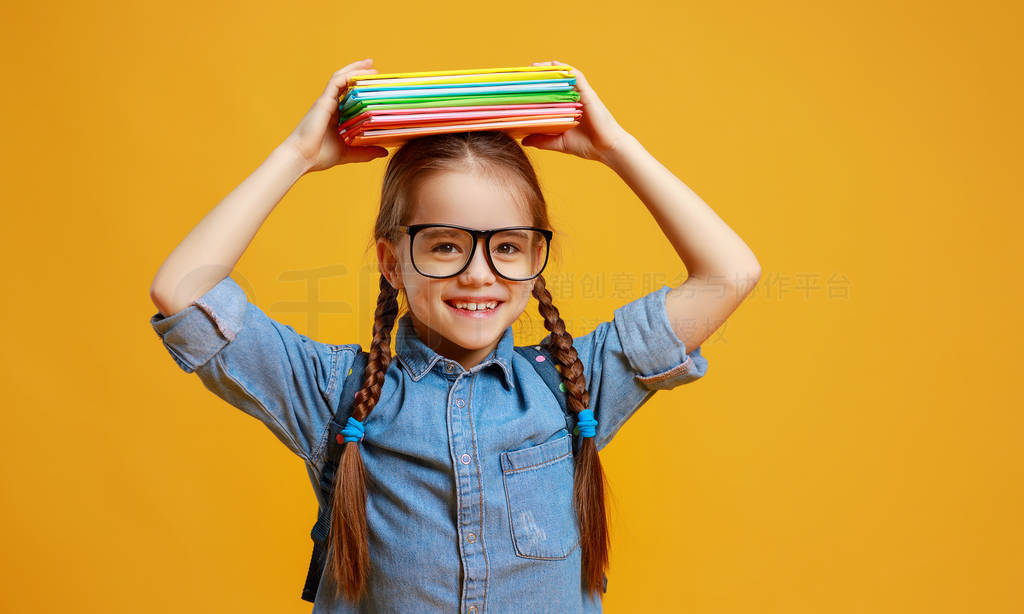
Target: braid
pixel 589 480
pixel 351 560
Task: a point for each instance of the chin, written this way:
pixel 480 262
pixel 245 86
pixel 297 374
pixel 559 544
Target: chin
pixel 475 339
pixel 476 342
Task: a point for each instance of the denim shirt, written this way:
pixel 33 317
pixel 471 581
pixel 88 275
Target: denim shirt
pixel 469 471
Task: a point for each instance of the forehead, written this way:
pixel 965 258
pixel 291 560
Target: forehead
pixel 466 199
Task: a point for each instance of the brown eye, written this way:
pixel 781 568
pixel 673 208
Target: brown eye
pixel 445 248
pixel 508 249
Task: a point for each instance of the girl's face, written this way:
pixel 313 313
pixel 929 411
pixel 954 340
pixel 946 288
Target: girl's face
pixel 473 201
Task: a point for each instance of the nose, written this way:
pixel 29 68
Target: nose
pixel 479 270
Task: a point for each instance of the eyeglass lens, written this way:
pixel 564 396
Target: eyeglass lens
pixel 516 254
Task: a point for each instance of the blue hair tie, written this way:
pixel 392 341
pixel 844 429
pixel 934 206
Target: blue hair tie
pixel 586 425
pixel 353 430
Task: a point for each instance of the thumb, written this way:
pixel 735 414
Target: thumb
pixel 542 141
pixel 365 154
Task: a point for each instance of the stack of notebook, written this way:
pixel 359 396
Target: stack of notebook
pixel 389 109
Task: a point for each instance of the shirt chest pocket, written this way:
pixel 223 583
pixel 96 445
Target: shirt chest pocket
pixel 539 488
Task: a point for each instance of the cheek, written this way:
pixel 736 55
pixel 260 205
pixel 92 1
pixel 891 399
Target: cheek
pixel 522 293
pixel 422 291
pixel 408 273
pixel 411 280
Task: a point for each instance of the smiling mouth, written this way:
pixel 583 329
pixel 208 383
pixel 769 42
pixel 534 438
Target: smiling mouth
pixel 471 309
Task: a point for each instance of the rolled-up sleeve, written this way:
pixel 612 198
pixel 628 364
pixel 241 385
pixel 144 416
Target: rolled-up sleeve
pixel 628 359
pixel 655 352
pixel 196 333
pixel 259 365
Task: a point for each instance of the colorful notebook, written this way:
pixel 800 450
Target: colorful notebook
pixel 389 109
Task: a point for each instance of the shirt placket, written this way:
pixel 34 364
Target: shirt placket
pixel 469 490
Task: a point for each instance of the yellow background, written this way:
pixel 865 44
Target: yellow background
pixel 853 447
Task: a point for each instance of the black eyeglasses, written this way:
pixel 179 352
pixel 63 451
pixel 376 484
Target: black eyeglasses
pixel 515 253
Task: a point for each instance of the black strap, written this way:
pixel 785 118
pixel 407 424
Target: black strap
pixel 353 382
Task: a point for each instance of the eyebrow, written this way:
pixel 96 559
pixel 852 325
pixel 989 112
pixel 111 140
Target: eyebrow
pixel 443 231
pixel 449 231
pixel 522 234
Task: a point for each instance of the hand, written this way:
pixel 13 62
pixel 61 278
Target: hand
pixel 316 138
pixel 597 134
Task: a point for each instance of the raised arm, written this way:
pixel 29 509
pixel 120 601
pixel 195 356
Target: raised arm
pixel 212 249
pixel 722 269
pixel 267 369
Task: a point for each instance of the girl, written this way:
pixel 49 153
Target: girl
pixel 462 485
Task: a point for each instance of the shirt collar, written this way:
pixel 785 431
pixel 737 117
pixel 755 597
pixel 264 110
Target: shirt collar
pixel 418 358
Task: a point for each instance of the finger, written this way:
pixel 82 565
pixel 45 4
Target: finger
pixel 574 70
pixel 352 76
pixel 587 92
pixel 542 141
pixel 355 67
pixel 359 64
pixel 365 154
pixel 340 81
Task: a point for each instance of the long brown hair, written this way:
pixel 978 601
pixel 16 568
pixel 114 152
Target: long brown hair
pixel 498 156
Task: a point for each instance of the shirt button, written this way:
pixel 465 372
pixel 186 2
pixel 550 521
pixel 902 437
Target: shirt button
pixel 449 367
pixel 466 458
pixel 472 609
pixel 471 538
pixel 460 403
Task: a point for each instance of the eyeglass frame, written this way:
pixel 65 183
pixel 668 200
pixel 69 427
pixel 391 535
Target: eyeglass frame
pixel 412 229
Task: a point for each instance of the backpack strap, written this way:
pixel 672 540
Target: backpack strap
pixel 543 361
pixel 353 382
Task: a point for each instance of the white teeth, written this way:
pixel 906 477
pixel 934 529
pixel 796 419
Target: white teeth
pixel 476 306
